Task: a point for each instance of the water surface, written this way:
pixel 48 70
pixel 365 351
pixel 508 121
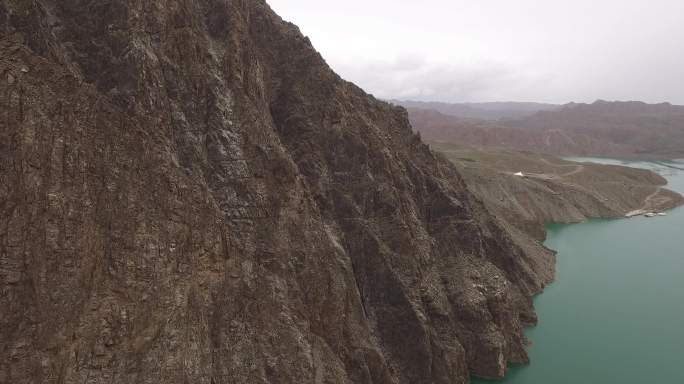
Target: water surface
pixel 615 315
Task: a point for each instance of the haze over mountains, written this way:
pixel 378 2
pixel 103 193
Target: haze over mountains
pixel 485 111
pixel 628 129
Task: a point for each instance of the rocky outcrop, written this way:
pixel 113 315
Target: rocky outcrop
pixel 189 194
pixel 553 190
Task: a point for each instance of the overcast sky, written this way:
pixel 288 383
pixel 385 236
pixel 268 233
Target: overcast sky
pixel 499 50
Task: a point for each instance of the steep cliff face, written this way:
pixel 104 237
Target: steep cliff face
pixel 189 194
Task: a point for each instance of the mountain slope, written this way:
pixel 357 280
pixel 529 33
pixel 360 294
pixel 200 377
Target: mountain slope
pixel 618 129
pixel 553 190
pixel 190 194
pixel 630 128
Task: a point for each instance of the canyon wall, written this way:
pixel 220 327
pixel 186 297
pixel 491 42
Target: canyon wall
pixel 188 193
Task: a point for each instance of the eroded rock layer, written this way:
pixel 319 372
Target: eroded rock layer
pixel 188 194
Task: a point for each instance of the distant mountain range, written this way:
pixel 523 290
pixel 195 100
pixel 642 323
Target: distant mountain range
pixel 628 129
pixel 485 111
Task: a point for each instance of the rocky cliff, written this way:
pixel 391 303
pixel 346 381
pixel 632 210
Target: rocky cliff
pixel 188 194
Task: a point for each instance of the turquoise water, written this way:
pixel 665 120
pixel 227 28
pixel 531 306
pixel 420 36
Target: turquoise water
pixel 616 312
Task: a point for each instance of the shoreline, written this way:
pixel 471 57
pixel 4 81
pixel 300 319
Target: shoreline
pixel 675 204
pixel 552 244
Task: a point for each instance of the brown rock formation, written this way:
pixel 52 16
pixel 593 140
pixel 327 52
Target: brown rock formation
pixel 188 194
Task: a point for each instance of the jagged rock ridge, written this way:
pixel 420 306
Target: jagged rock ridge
pixel 189 194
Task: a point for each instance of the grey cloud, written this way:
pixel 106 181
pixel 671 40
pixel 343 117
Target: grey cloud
pixel 499 50
pixel 415 78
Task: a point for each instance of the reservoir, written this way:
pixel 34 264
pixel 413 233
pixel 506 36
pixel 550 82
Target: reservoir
pixel 615 314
